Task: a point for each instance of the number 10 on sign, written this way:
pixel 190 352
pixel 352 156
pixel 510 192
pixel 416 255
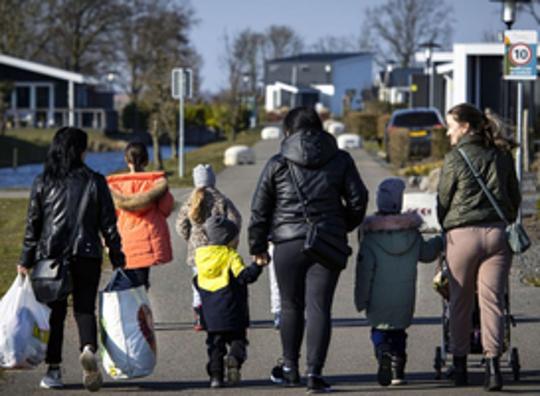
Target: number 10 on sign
pixel 181 87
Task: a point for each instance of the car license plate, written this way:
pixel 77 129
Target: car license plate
pixel 417 133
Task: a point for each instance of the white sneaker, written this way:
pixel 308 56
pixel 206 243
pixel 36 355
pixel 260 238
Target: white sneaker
pixel 92 379
pixel 52 379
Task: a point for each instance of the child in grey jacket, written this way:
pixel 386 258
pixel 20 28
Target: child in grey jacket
pixel 386 272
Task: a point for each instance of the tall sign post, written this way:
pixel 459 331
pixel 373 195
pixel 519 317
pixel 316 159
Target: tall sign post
pixel 520 64
pixel 181 88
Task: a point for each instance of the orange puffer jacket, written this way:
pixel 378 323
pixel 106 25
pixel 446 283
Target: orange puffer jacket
pixel 143 203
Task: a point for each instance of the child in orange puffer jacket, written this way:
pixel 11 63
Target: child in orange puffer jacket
pixel 143 203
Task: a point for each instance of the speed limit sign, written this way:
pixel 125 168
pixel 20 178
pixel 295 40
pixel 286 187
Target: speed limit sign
pixel 520 54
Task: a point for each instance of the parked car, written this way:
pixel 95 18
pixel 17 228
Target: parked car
pixel 419 122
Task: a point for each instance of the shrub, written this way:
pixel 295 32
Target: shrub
pixel 363 124
pixel 398 150
pixel 440 144
pixel 423 169
pixel 135 117
pixel 381 125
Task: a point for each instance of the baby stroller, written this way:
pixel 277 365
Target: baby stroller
pixel 440 283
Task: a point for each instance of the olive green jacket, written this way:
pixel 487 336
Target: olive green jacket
pixel 461 201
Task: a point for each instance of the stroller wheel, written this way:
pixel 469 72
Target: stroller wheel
pixel 514 363
pixel 438 363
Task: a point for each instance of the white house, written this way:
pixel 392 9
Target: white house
pixel 332 79
pixel 473 72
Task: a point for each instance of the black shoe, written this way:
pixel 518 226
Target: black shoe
pixel 384 357
pixel 285 376
pixel 493 380
pixel 460 371
pixel 398 369
pixel 317 384
pixel 216 381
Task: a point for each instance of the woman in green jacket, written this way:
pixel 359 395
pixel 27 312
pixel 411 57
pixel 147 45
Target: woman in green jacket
pixel 476 247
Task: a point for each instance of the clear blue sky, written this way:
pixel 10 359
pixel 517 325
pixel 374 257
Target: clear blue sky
pixel 316 18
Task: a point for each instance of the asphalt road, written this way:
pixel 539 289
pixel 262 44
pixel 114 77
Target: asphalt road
pixel 350 366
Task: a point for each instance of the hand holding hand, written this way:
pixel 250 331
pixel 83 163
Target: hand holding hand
pixel 22 270
pixel 262 259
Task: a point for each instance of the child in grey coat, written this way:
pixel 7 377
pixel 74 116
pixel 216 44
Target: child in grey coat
pixel 386 276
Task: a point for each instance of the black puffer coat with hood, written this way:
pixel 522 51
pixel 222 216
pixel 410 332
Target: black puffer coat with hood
pixel 329 181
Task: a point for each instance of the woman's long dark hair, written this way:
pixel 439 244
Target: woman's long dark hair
pixel 65 153
pixel 486 124
pixel 302 119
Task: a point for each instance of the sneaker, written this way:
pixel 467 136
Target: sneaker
pixel 92 379
pixel 285 376
pixel 52 379
pixel 317 384
pixel 216 382
pixel 384 373
pixel 277 320
pixel 197 319
pixel 233 371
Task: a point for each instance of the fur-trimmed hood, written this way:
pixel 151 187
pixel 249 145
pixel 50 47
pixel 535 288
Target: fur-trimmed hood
pixel 394 234
pixel 401 221
pixel 136 191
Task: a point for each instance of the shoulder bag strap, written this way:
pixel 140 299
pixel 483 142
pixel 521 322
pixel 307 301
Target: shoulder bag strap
pixel 80 213
pixel 483 186
pixel 301 198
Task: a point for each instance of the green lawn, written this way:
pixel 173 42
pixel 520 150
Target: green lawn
pixel 12 218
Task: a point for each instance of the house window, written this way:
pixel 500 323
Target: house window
pixel 42 97
pixel 23 97
pixel 304 68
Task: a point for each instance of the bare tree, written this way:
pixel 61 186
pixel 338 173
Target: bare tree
pixel 532 8
pixel 335 44
pixel 81 33
pixel 159 43
pixel 23 26
pixel 281 41
pixel 403 25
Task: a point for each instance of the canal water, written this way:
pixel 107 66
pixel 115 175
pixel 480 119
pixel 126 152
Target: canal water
pixel 104 163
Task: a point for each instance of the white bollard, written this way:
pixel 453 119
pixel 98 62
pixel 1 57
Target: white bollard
pixel 239 155
pixel 271 132
pixel 349 141
pixel 336 128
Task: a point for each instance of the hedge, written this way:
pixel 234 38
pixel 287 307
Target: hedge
pixel 398 150
pixel 363 124
pixel 440 143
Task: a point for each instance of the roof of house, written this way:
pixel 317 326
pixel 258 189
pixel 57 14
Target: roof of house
pixel 46 70
pixel 319 57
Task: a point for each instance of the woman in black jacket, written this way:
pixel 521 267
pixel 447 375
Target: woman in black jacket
pixel 336 200
pixel 52 214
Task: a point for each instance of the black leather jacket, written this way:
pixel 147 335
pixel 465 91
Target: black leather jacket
pixel 329 181
pixel 52 212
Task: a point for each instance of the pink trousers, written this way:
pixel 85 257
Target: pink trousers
pixel 478 259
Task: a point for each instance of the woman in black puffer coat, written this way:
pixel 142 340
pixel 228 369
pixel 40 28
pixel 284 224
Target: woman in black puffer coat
pixel 336 199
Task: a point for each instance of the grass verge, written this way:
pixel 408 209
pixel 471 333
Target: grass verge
pixel 12 219
pixel 209 154
pixel 32 144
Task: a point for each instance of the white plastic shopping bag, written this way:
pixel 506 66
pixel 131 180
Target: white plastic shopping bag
pixel 24 326
pixel 128 343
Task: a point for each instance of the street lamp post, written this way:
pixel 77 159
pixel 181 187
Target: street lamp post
pixel 428 48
